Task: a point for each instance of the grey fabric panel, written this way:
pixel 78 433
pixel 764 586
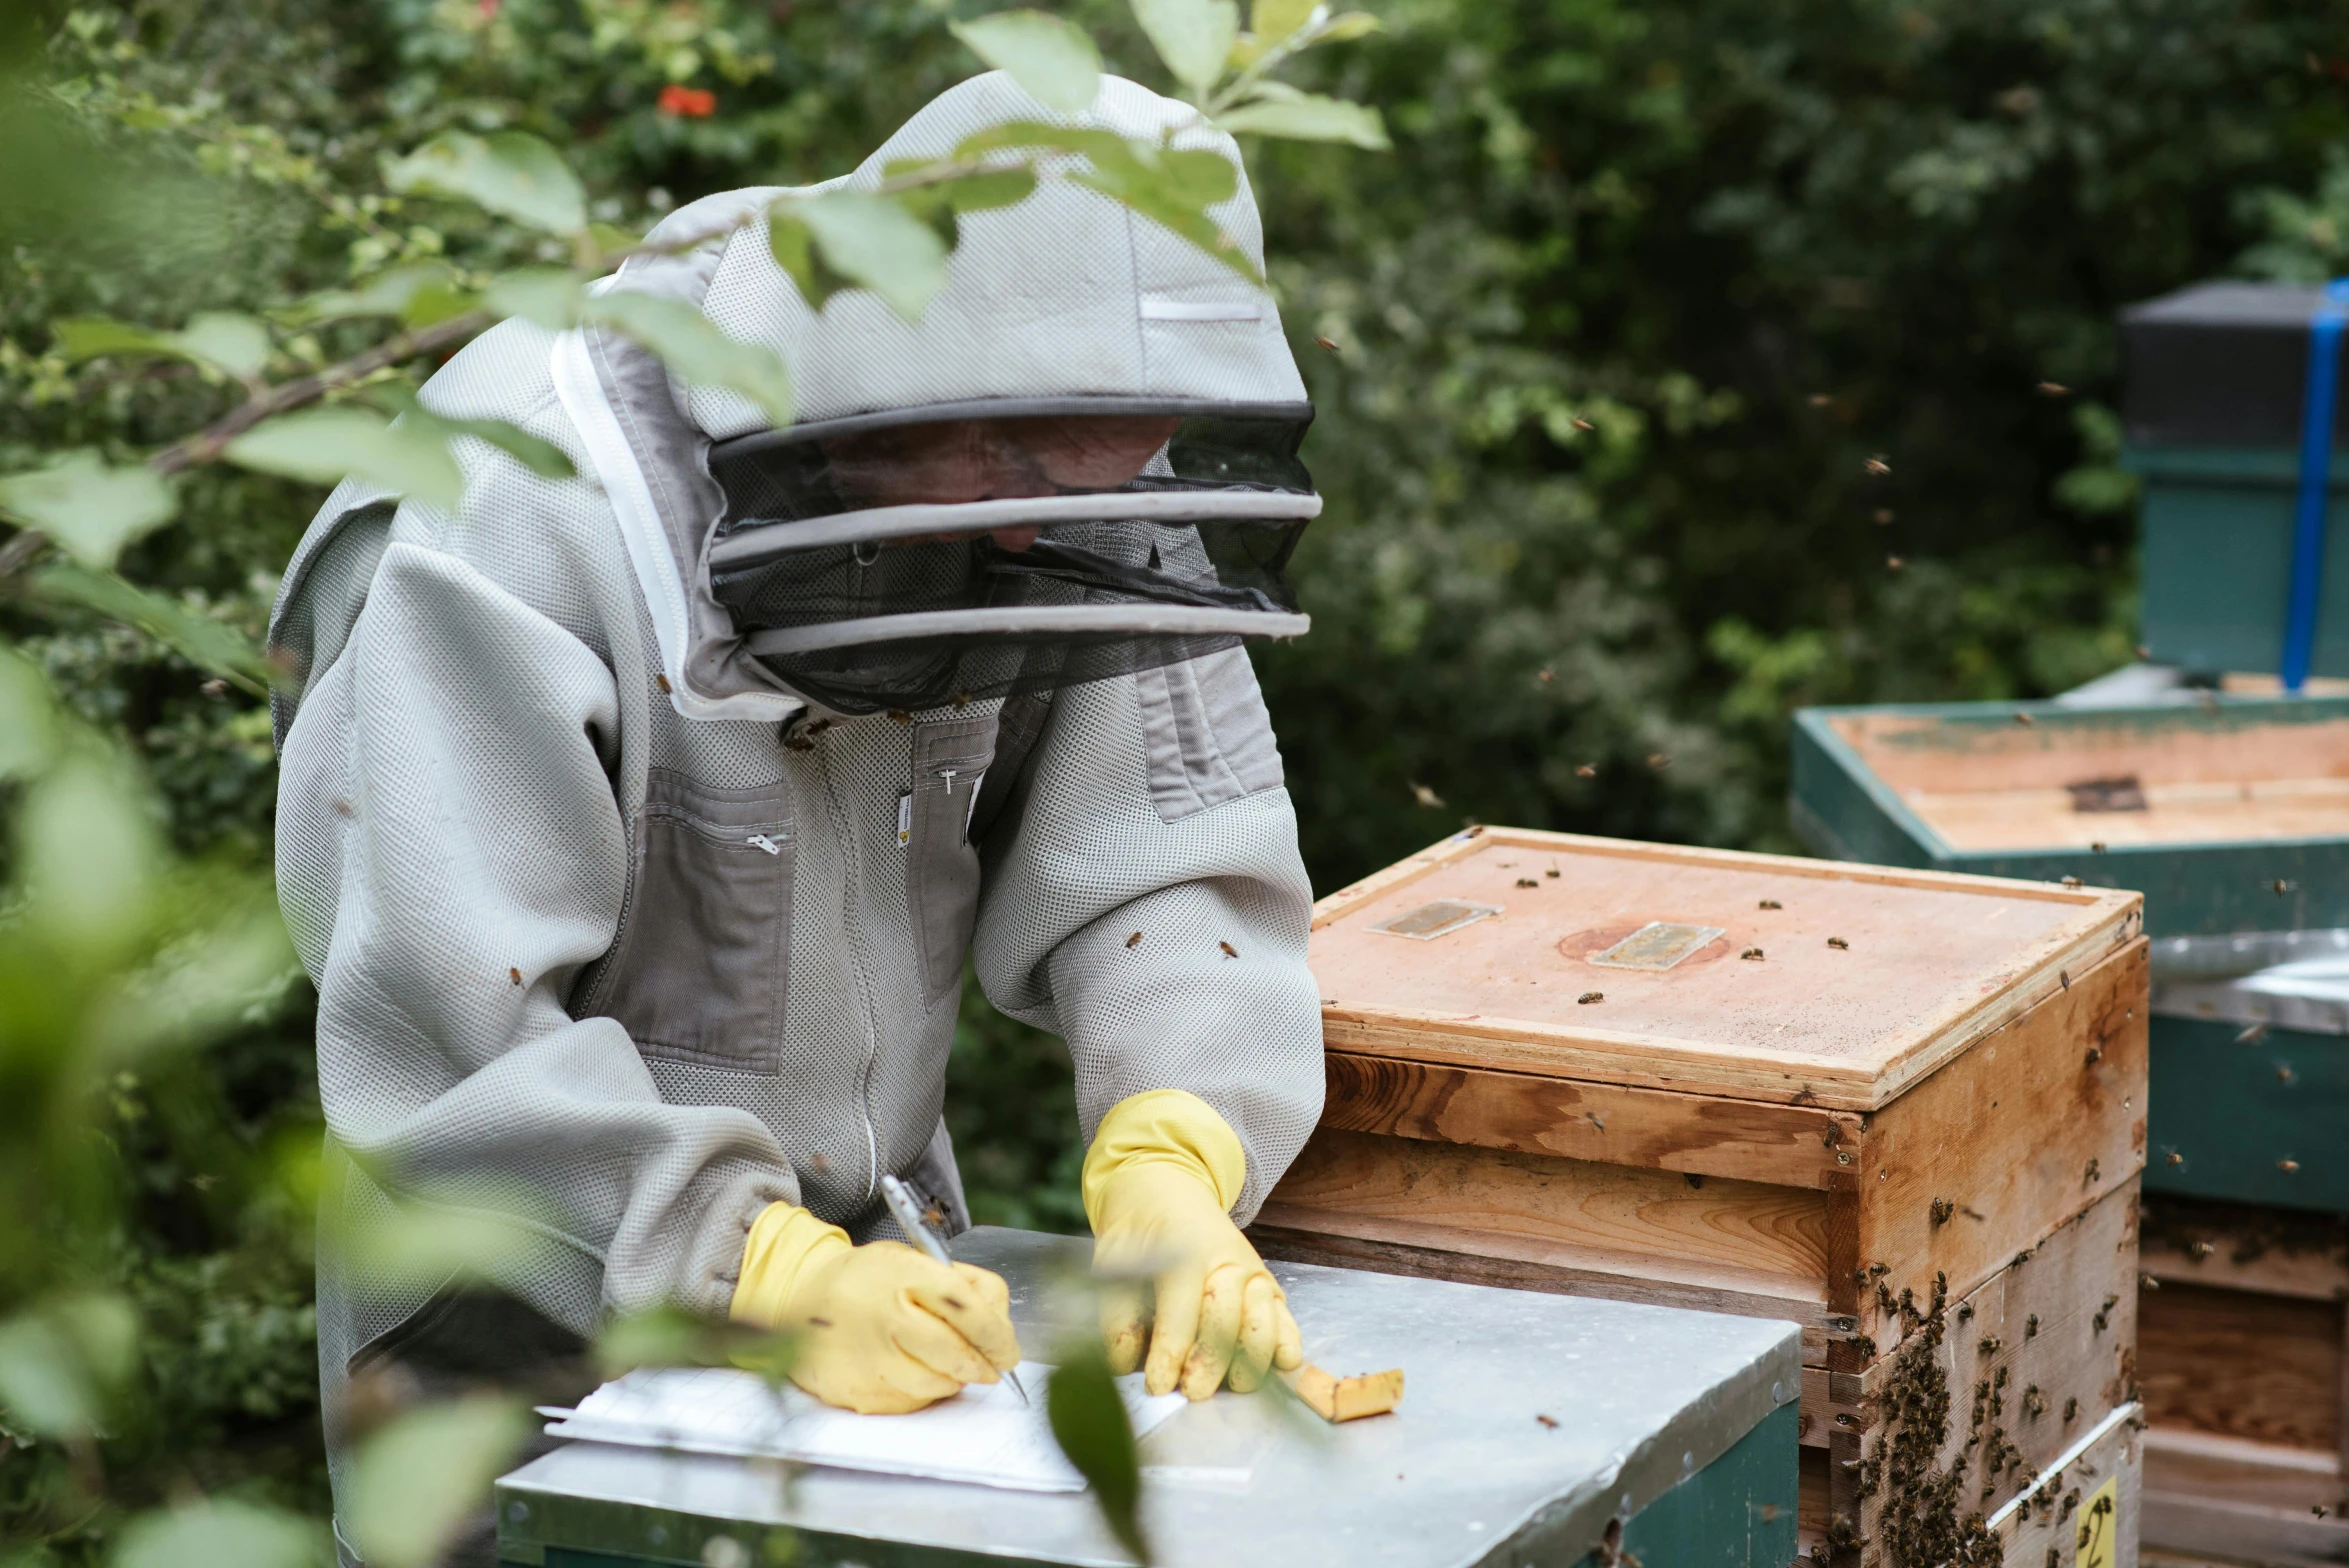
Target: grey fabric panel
pixel 699 969
pixel 312 616
pixel 937 1178
pixel 950 761
pixel 477 864
pixel 1018 727
pixel 1209 737
pixel 672 451
pixel 1090 862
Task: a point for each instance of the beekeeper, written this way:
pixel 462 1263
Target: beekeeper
pixel 636 826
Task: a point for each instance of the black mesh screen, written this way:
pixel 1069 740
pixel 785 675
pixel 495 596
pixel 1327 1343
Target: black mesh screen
pixel 793 475
pixel 1213 565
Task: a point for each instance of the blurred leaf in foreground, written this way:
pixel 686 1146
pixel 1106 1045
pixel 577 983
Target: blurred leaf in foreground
pixel 1193 37
pixel 1053 60
pixel 200 640
pixel 228 341
pixel 691 345
pixel 28 718
pixel 540 456
pixel 220 1534
pixel 58 1361
pixel 87 854
pixel 512 174
pixel 327 444
pixel 1308 117
pixel 1089 1422
pixel 90 508
pixel 414 1482
pixel 873 241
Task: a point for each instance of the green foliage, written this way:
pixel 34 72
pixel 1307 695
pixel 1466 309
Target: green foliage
pixel 1618 330
pixel 246 238
pixel 1090 1422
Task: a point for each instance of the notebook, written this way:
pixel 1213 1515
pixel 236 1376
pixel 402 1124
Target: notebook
pixel 984 1436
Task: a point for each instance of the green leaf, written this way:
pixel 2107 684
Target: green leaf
pixel 691 345
pixel 86 853
pixel 223 339
pixel 1273 20
pixel 90 337
pixel 540 456
pixel 220 1534
pixel 1044 136
pixel 1193 37
pixel 200 640
pixel 989 190
pixel 413 1484
pixel 1089 1423
pixel 1351 25
pixel 1052 59
pixel 795 251
pixel 196 988
pixel 1308 119
pixel 512 174
pixel 1172 186
pixel 391 293
pixel 548 296
pixel 44 1388
pixel 1169 197
pixel 237 344
pixel 329 444
pixel 873 241
pixel 28 718
pixel 92 510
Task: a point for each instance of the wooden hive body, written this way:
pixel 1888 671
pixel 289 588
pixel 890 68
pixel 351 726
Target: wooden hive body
pixel 1949 1097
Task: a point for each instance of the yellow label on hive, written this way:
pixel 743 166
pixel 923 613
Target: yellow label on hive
pixel 2100 1526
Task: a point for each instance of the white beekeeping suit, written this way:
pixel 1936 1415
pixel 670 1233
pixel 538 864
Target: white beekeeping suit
pixel 638 884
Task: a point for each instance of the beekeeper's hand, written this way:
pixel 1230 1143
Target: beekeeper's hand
pixel 880 1328
pixel 1159 1184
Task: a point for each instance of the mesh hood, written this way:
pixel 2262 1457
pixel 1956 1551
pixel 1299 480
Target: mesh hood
pixel 1065 294
pixel 1064 301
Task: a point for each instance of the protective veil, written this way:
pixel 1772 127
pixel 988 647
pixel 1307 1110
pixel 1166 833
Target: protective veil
pixel 622 900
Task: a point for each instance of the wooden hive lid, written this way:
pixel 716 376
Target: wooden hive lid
pixel 2172 775
pixel 1931 962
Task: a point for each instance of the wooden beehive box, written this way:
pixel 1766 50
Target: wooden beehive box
pixel 2244 1363
pixel 1905 1109
pixel 2229 815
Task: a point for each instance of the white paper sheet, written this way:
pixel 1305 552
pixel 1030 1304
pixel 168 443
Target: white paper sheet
pixel 984 1436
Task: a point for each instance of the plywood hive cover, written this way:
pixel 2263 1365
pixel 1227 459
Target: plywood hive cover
pixel 1481 950
pixel 2146 776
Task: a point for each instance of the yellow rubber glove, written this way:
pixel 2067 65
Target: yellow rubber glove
pixel 881 1328
pixel 1159 1183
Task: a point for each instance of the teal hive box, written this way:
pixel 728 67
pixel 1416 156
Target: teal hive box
pixel 2211 414
pixel 2250 1088
pixel 2208 808
pixel 2216 557
pixel 2229 814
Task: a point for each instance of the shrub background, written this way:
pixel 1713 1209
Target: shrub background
pixel 1616 329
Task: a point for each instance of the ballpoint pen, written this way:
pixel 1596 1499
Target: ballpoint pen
pixel 908 1215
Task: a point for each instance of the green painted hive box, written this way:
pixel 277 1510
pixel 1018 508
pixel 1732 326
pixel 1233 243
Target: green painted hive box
pixel 2230 814
pixel 2211 410
pixel 2249 1097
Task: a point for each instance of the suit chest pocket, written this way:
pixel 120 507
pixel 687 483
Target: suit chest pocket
pixel 950 759
pixel 700 972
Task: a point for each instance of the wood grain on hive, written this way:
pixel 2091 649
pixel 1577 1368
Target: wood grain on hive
pixel 1755 1084
pixel 2245 1370
pixel 2011 786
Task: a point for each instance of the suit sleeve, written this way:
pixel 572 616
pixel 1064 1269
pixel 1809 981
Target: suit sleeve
pixel 451 856
pixel 1145 900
